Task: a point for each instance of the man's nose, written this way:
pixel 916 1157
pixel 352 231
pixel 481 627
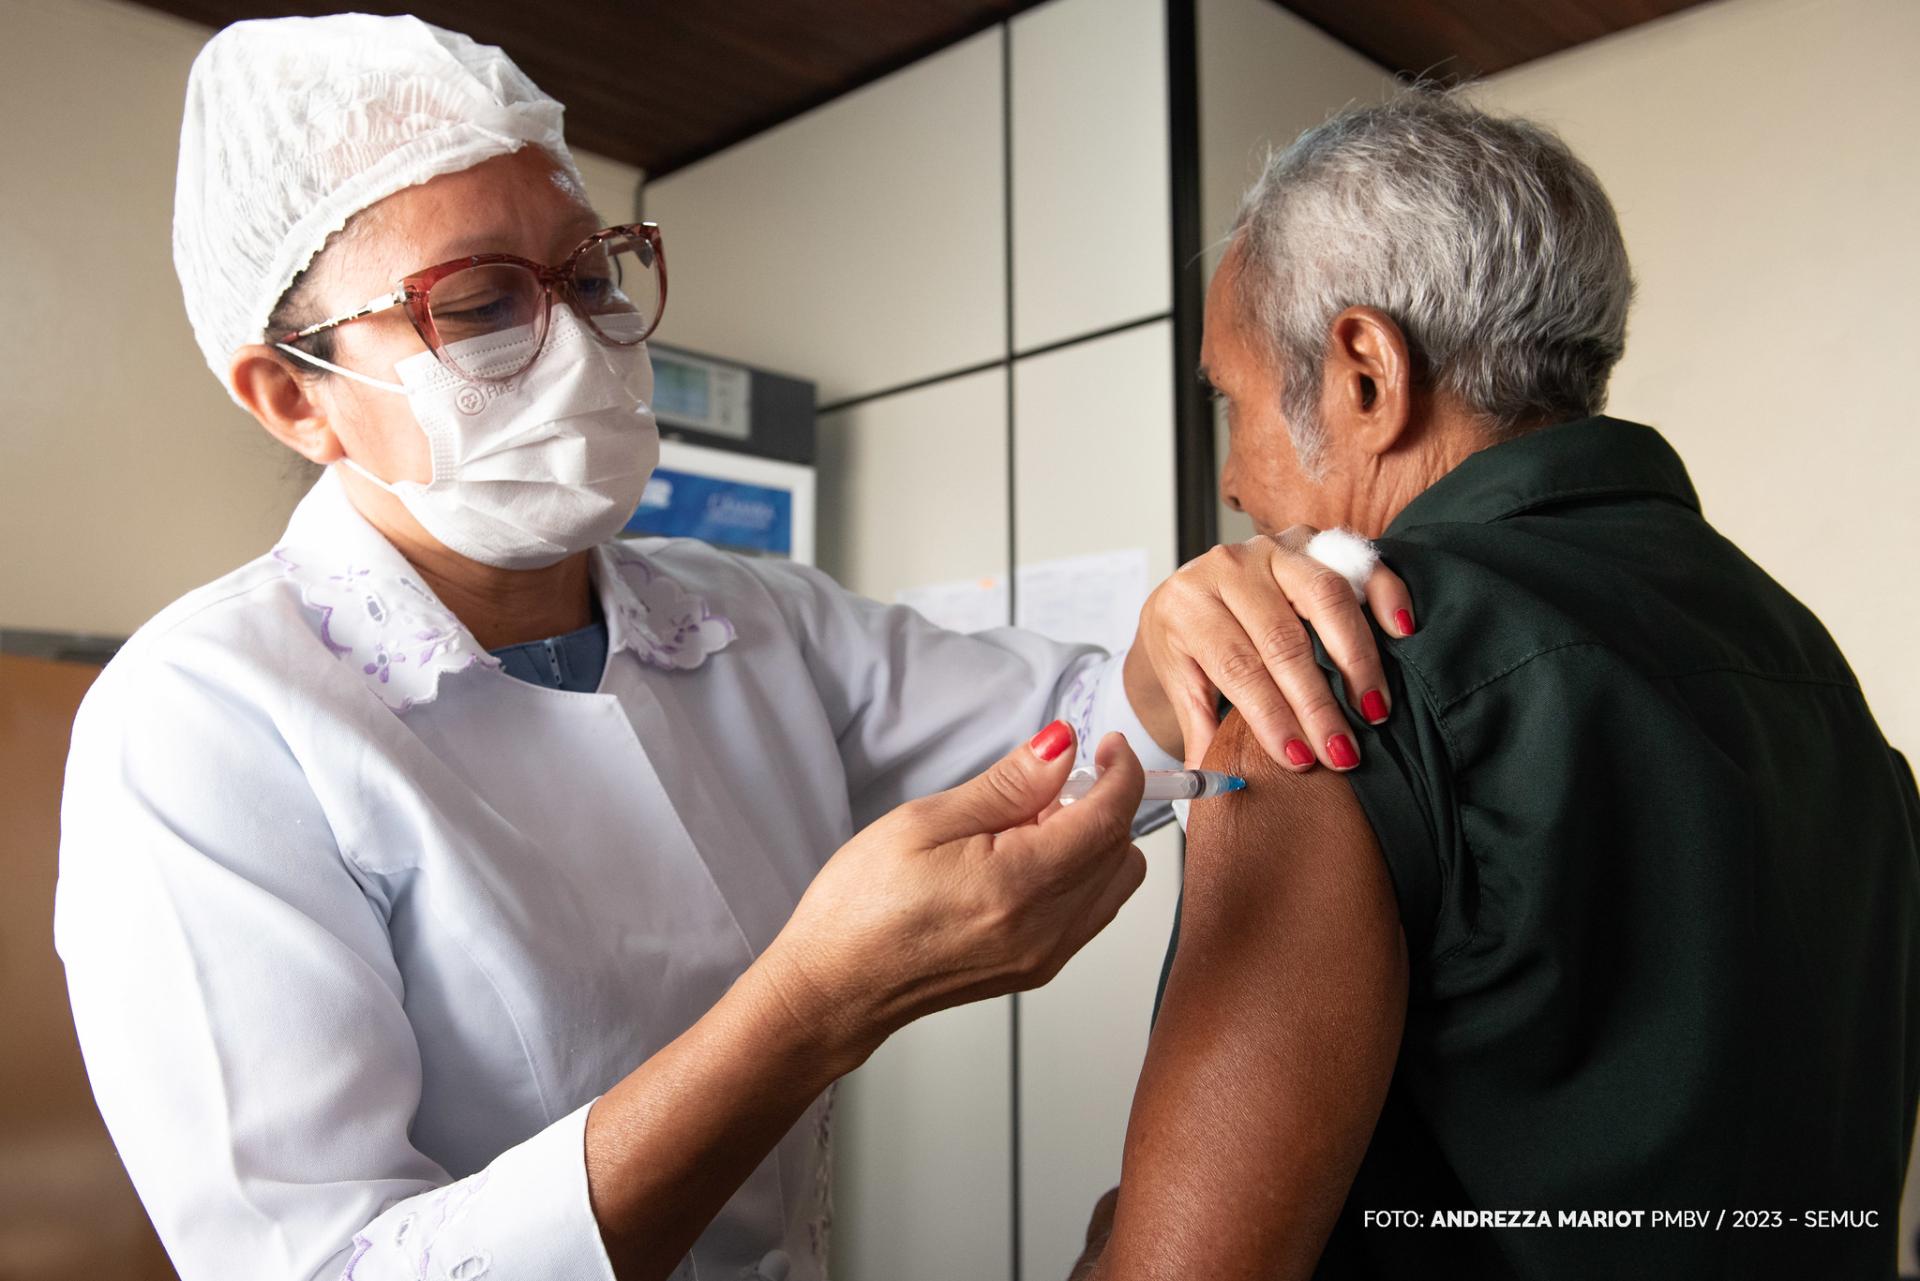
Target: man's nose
pixel 1229 488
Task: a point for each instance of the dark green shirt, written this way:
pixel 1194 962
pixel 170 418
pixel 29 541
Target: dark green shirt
pixel 1660 875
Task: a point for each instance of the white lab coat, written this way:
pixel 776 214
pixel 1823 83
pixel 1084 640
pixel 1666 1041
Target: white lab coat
pixel 356 925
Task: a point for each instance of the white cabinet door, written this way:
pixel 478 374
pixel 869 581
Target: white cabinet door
pixel 1092 239
pixel 862 245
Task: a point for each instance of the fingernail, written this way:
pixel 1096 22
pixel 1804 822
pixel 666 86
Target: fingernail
pixel 1052 741
pixel 1404 621
pixel 1373 706
pixel 1340 752
pixel 1298 753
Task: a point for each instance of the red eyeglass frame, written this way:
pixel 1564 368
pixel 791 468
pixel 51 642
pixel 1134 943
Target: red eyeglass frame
pixel 411 293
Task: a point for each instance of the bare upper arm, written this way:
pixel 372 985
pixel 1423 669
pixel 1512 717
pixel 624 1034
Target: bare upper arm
pixel 1277 1036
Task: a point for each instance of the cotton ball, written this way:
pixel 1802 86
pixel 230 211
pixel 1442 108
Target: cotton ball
pixel 1347 554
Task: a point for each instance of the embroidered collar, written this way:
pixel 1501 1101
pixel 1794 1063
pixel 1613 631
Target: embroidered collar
pixel 380 618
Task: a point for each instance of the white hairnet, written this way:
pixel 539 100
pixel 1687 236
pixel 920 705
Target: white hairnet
pixel 293 125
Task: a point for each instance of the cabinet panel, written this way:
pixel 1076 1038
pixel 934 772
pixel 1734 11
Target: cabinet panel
pixel 913 487
pixel 1093 448
pixel 923 1153
pixel 1092 238
pixel 861 245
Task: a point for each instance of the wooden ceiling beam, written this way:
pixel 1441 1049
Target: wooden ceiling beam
pixel 662 83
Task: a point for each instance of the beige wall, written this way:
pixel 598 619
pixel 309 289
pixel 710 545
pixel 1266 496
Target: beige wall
pixel 126 475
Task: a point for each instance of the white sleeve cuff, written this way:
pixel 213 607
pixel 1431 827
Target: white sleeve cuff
pixel 527 1214
pixel 1095 704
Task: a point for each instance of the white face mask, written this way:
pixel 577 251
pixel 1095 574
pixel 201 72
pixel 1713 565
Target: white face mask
pixel 528 472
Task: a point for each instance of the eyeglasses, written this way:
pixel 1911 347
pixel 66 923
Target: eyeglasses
pixel 484 317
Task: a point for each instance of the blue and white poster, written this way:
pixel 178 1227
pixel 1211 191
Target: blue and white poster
pixel 726 513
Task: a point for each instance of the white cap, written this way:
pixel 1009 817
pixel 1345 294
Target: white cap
pixel 293 125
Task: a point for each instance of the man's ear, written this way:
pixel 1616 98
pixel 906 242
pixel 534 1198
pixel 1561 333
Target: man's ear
pixel 1367 395
pixel 282 399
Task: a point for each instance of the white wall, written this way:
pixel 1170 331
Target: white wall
pixel 126 475
pixel 861 245
pixel 1091 182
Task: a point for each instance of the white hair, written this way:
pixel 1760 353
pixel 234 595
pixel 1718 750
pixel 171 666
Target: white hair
pixel 1489 243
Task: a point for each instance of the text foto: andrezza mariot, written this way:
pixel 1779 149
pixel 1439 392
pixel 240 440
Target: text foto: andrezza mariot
pixel 1608 1219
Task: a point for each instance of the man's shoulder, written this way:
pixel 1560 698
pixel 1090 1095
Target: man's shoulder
pixel 1648 592
pixel 1480 615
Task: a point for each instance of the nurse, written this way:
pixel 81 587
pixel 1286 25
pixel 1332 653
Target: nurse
pixel 457 891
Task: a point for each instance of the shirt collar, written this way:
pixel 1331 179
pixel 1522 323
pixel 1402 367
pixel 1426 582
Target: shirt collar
pixel 1586 458
pixel 379 616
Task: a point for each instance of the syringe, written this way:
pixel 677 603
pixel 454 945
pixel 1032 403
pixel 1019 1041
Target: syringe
pixel 1162 784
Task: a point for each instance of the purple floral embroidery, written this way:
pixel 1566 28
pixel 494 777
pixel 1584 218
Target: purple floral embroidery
pixel 360 1246
pixel 396 633
pixel 381 666
pixel 437 643
pixel 447 1203
pixel 1076 705
pixel 401 640
pixel 664 624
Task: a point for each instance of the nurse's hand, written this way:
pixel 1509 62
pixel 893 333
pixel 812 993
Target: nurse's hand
pixel 1230 622
pixel 974 892
pixel 977 891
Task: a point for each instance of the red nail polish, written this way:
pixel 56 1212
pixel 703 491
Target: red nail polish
pixel 1051 741
pixel 1298 753
pixel 1404 621
pixel 1373 706
pixel 1340 752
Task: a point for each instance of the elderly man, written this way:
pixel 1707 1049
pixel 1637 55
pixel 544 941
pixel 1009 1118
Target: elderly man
pixel 1613 928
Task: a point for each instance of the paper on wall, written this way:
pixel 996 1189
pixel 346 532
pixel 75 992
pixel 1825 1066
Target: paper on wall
pixel 970 605
pixel 1091 600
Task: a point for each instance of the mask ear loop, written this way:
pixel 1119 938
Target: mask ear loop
pixel 312 359
pixel 359 378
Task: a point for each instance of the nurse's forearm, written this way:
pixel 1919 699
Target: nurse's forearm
pixel 671 1142
pixel 1150 701
pixel 955 897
